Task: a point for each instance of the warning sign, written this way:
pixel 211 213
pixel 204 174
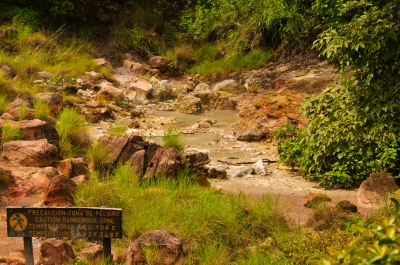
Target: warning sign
pixel 64 222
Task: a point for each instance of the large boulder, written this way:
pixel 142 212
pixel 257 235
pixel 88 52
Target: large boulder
pixel 55 251
pixel 108 89
pixel 35 130
pixel 170 248
pixel 374 191
pixel 158 62
pixel 231 86
pixel 248 130
pixel 22 100
pixel 73 167
pixel 136 68
pixel 160 89
pixel 139 162
pixel 138 91
pixel 188 104
pixel 19 113
pixel 59 191
pixel 37 153
pixel 165 162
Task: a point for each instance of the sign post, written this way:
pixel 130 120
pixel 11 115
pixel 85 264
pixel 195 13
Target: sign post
pixel 74 222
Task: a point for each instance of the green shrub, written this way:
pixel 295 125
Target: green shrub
pixel 172 139
pixel 377 244
pixel 73 131
pixel 10 133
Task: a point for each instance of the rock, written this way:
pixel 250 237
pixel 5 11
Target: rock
pixel 16 258
pixel 50 172
pixel 136 68
pixel 248 130
pixel 85 94
pixel 246 109
pixel 158 62
pixel 80 179
pixel 160 89
pixel 374 191
pixel 197 158
pixel 123 147
pixel 165 162
pixel 39 180
pixel 107 88
pixel 36 130
pixel 231 86
pixel 188 104
pixel 215 172
pixel 141 89
pixel 55 100
pixel 24 100
pixel 202 89
pixel 313 200
pixel 43 75
pixel 59 191
pixel 8 71
pixel 171 248
pixel 6 178
pixel 92 252
pixel 102 16
pixel 102 62
pixel 139 162
pixel 73 167
pixel 94 76
pixel 55 251
pixel 21 113
pixel 259 168
pixel 234 173
pixel 347 206
pixel 37 153
pixel 180 90
pixel 155 72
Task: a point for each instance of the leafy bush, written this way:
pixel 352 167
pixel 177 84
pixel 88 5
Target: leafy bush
pixel 377 244
pixel 172 139
pixel 10 133
pixel 73 131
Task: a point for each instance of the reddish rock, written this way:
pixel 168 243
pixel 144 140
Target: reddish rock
pixel 16 258
pixel 65 167
pixel 73 167
pixel 24 100
pixel 139 162
pixel 165 162
pixel 15 113
pixel 36 130
pixel 248 130
pixel 158 62
pixel 109 89
pixel 30 153
pixel 54 251
pixel 374 191
pixel 170 248
pixel 59 191
pixel 92 252
pixel 39 180
pixel 80 179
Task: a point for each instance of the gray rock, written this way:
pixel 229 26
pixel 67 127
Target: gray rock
pixel 231 86
pixel 259 168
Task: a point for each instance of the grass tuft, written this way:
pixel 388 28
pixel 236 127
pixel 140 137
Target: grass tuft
pixel 118 129
pixel 172 139
pixel 42 109
pixel 73 131
pixel 10 133
pixel 100 158
pixel 3 103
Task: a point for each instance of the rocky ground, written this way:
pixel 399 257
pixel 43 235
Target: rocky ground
pixel 241 157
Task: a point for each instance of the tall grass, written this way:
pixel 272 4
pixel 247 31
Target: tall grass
pixel 3 103
pixel 73 131
pixel 42 109
pixel 217 227
pixel 9 133
pixel 100 158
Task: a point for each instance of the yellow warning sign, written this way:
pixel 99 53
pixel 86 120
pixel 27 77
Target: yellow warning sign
pixel 18 222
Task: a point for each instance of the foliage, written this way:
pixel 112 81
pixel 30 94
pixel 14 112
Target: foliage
pixel 377 244
pixel 10 133
pixel 172 139
pixel 247 25
pixel 353 128
pixel 100 158
pixel 233 63
pixel 73 131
